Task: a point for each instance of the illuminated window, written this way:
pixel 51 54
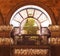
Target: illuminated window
pixel 26 13
pixel 30 11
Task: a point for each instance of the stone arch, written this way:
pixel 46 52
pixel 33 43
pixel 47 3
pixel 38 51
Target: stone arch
pixel 49 11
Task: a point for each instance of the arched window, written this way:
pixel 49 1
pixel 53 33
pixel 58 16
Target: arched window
pixel 30 15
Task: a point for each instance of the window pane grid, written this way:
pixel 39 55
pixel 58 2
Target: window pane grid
pixel 21 16
pixel 37 13
pixel 30 12
pixel 23 13
pixel 40 17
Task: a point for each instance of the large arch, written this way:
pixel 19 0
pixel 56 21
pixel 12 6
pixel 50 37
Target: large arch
pixel 49 11
pixel 31 11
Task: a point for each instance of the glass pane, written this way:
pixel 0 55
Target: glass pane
pixel 18 18
pixel 42 18
pixel 30 12
pixel 39 32
pixel 22 26
pixel 24 13
pixel 16 30
pixel 37 14
pixel 23 23
pixel 14 23
pixel 33 11
pixel 37 24
pixel 23 31
pixel 45 23
pixel 30 26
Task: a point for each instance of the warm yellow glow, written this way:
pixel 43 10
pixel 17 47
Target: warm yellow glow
pixel 54 41
pixel 31 51
pixel 6 28
pixel 6 41
pixel 54 28
pixel 30 12
pixel 32 20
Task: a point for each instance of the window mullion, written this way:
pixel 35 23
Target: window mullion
pixel 16 20
pixel 40 15
pixel 43 21
pixel 21 15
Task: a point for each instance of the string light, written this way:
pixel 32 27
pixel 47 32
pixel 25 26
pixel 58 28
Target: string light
pixel 30 51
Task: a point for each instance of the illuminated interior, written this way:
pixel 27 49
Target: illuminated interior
pixel 30 28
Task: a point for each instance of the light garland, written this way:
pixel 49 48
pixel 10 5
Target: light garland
pixel 5 28
pixel 54 28
pixel 6 41
pixel 31 51
pixel 54 41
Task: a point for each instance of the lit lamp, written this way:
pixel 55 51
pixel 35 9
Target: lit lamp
pixel 45 35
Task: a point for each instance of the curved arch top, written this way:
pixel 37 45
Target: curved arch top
pixel 33 7
pixel 19 5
